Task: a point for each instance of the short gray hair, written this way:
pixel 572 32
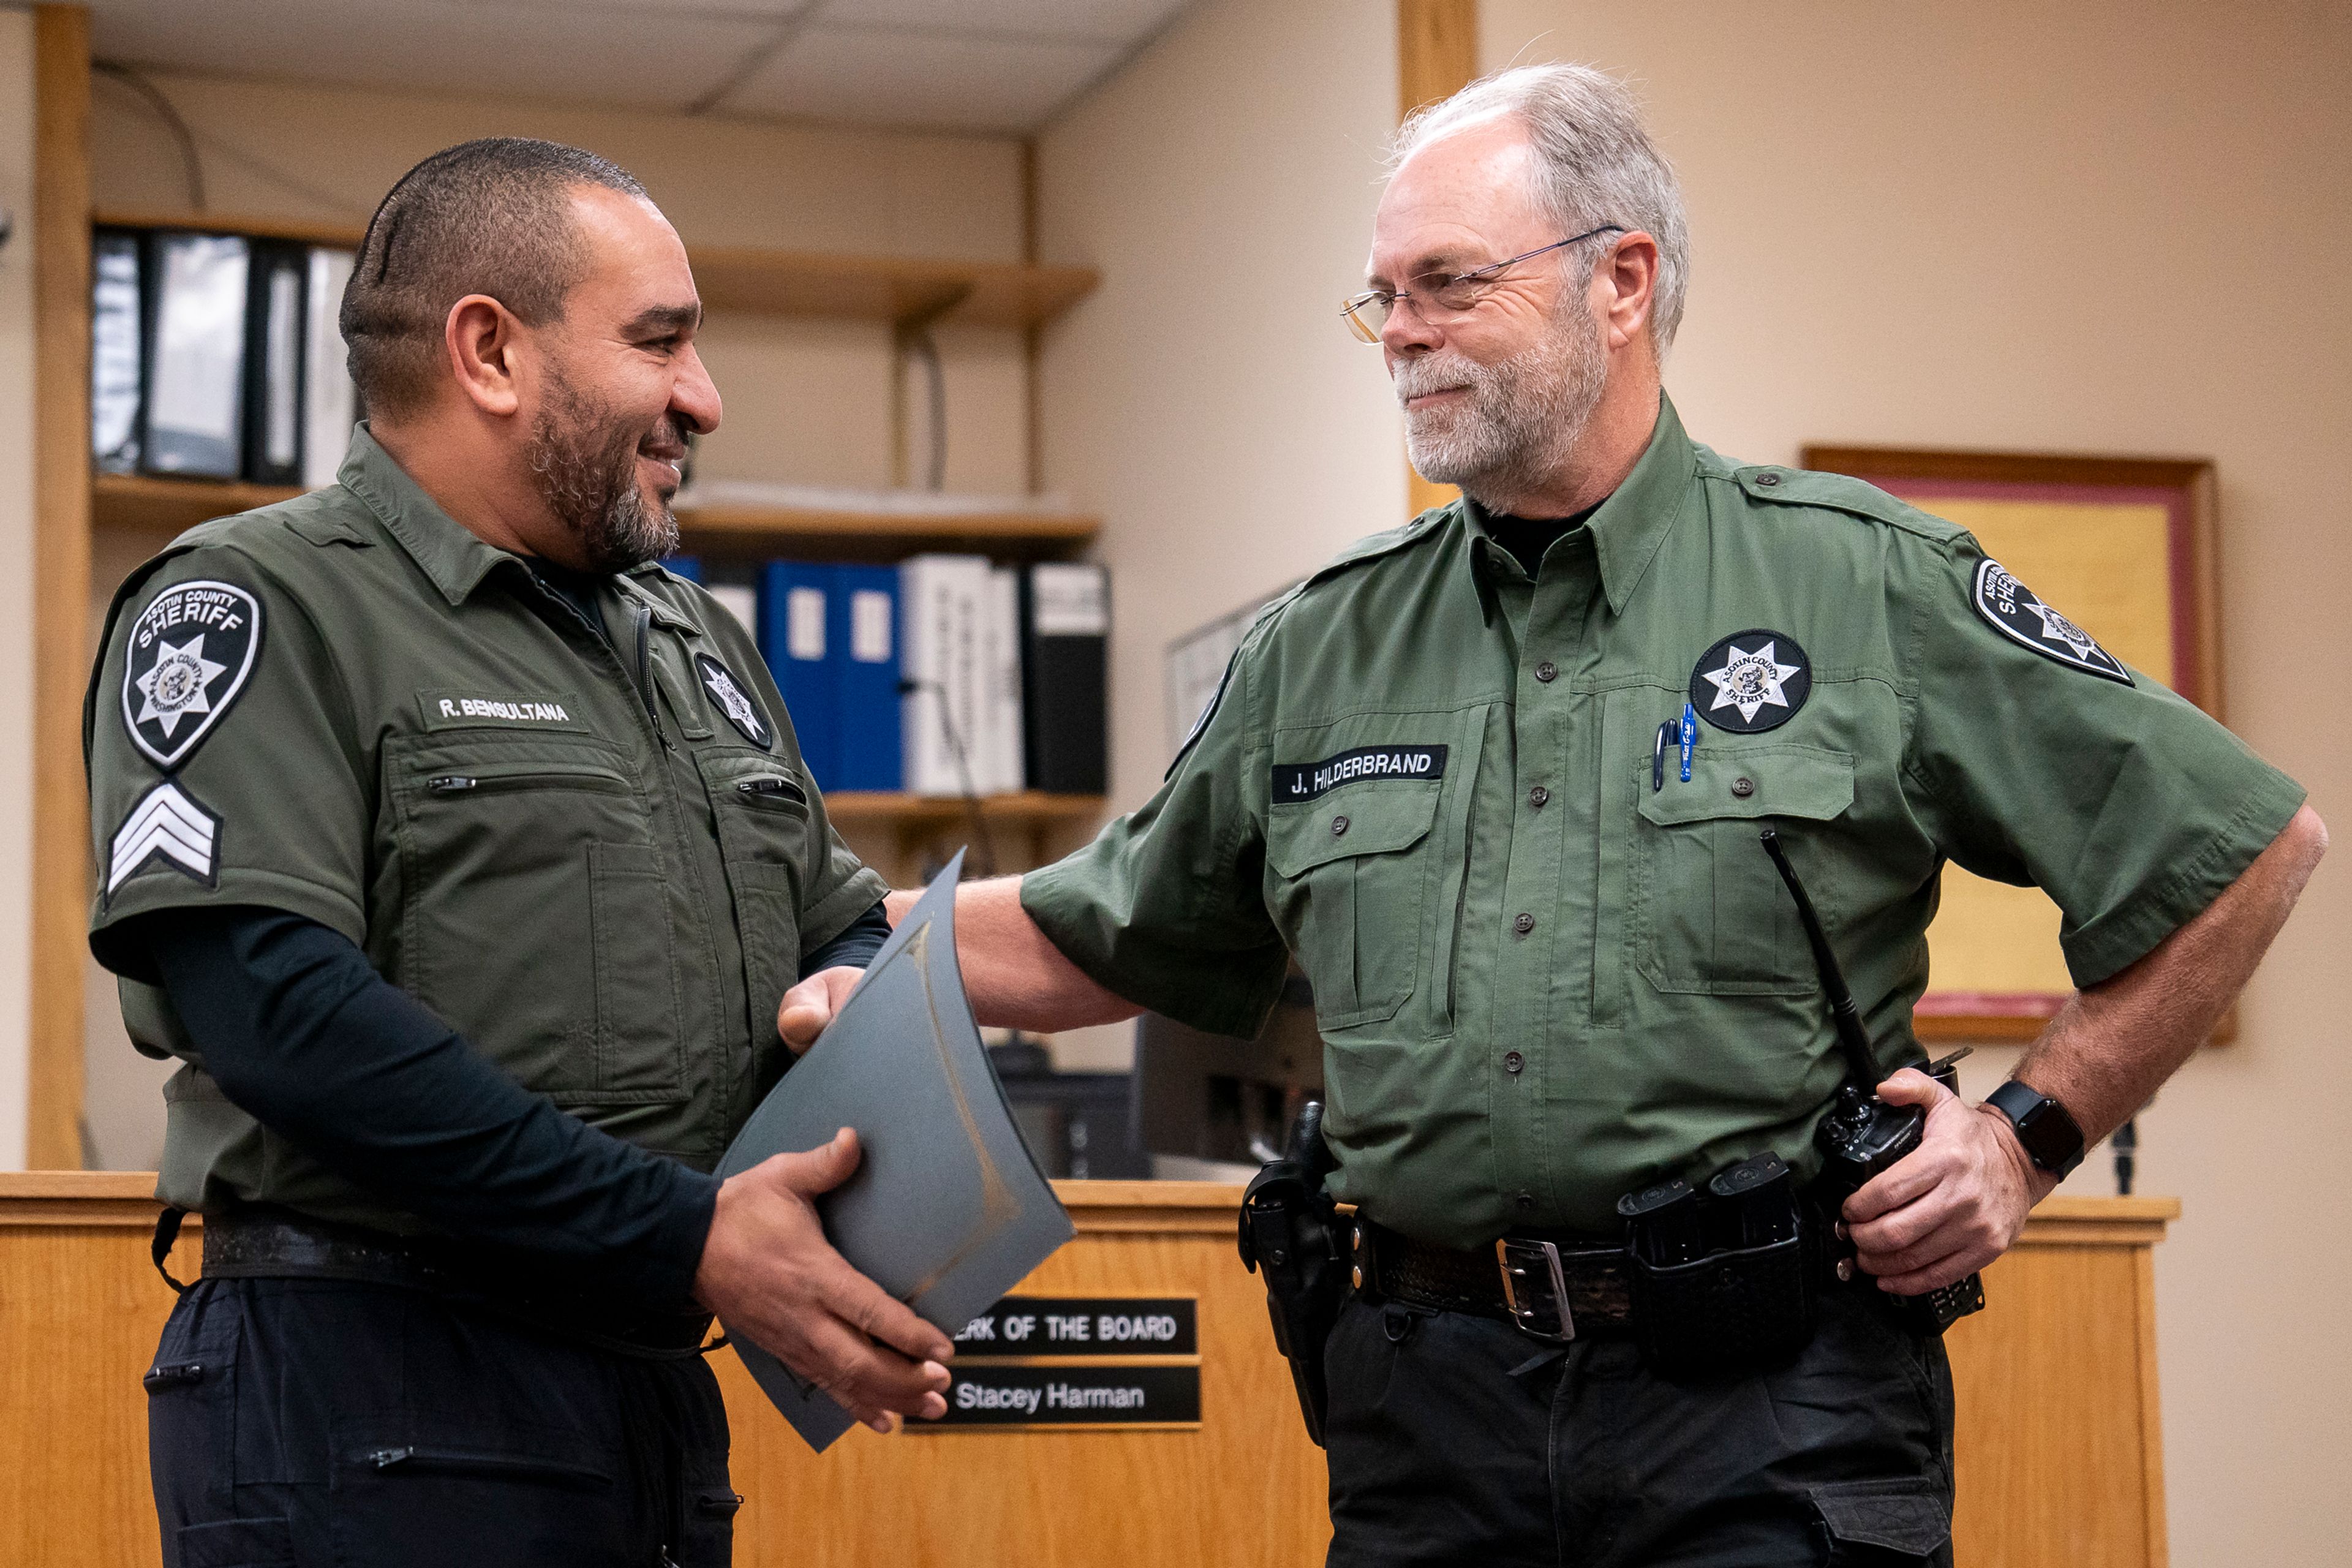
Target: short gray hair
pixel 1596 163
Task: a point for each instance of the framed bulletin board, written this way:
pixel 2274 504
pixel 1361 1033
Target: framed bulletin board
pixel 2125 547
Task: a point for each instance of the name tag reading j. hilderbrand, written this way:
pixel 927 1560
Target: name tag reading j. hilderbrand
pixel 1305 780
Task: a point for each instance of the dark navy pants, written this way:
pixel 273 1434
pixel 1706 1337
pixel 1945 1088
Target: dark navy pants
pixel 312 1421
pixel 1454 1439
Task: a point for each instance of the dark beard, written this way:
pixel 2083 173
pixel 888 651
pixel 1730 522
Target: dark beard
pixel 586 464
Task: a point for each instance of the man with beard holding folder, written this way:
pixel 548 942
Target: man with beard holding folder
pixel 462 854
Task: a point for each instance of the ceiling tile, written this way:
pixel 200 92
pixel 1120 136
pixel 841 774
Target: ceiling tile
pixel 650 56
pixel 1094 21
pixel 918 80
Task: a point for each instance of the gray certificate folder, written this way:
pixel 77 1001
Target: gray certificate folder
pixel 947 1211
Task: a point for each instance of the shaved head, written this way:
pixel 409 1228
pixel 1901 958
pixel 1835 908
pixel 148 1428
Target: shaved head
pixel 492 217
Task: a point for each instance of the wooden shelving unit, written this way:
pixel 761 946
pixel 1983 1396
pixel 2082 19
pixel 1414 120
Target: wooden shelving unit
pixel 809 284
pixel 863 808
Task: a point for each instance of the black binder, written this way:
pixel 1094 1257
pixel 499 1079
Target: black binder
pixel 1065 677
pixel 276 321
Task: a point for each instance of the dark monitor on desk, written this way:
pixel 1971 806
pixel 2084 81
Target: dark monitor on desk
pixel 1217 1097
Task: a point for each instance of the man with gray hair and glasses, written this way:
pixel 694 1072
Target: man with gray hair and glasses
pixel 1653 1247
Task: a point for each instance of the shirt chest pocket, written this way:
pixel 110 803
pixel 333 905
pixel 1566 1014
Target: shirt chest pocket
pixel 535 913
pixel 1350 882
pixel 765 829
pixel 1709 914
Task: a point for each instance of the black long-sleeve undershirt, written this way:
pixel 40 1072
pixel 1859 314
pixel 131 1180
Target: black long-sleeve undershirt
pixel 303 1033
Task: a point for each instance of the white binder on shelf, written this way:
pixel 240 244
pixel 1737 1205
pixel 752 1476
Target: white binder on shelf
pixel 330 400
pixel 196 369
pixel 116 331
pixel 941 600
pixel 1000 670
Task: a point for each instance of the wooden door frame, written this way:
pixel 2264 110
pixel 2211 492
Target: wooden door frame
pixel 61 549
pixel 1437 57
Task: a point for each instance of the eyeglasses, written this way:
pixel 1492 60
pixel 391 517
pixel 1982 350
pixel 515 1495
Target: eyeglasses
pixel 1450 293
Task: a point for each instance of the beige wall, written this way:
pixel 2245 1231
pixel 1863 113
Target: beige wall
pixel 1206 399
pixel 17 522
pixel 2099 228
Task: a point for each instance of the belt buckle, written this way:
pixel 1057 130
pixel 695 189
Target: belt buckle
pixel 1534 1288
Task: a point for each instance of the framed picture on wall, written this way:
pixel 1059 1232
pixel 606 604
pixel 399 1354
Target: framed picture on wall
pixel 2126 547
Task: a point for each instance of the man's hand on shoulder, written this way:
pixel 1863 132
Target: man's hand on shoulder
pixel 767 1271
pixel 1952 1205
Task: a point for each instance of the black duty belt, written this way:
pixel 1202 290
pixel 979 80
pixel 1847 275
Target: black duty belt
pixel 1548 1286
pixel 276 1245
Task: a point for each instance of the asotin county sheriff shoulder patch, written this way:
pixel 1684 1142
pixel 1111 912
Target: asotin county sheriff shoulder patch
pixel 2015 611
pixel 186 659
pixel 1751 681
pixel 734 701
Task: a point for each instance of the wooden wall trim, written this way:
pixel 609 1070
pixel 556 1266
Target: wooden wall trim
pixel 2151 1414
pixel 61 566
pixel 1437 57
pixel 105 1197
pixel 1437 50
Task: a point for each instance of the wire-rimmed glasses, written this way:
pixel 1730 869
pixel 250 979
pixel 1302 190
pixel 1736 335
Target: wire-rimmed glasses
pixel 1452 293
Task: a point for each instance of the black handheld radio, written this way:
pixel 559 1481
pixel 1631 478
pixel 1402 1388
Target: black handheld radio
pixel 1862 1135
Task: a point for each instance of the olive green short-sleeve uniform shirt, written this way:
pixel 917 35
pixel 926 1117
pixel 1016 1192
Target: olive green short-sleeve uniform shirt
pixel 1542 982
pixel 602 864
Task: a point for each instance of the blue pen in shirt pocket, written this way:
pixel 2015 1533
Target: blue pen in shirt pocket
pixel 1690 737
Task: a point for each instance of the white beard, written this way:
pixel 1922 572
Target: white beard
pixel 1513 433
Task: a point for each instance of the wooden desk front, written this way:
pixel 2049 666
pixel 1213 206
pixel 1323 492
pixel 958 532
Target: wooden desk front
pixel 2059 1461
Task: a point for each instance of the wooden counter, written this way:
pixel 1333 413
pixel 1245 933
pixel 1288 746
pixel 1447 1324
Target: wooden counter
pixel 2059 1457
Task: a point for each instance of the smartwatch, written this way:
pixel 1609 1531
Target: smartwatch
pixel 2052 1139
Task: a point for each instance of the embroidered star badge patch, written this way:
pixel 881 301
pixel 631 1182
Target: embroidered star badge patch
pixel 1751 681
pixel 189 654
pixel 734 701
pixel 2015 611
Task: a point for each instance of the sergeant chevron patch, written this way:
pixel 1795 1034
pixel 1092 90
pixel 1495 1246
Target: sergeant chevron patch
pixel 168 825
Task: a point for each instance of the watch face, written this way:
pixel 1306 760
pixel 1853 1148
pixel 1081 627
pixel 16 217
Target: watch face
pixel 2049 1132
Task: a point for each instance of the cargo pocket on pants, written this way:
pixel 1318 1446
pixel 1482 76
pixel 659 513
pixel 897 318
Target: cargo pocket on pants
pixel 502 1498
pixel 1880 1524
pixel 236 1543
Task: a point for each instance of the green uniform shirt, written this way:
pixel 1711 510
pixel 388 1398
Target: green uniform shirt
pixel 1541 982
pixel 602 865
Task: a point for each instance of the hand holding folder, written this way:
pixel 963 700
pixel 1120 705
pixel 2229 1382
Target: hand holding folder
pixel 946 1211
pixel 767 1271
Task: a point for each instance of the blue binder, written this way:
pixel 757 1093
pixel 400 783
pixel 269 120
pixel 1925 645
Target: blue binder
pixel 796 639
pixel 687 566
pixel 864 636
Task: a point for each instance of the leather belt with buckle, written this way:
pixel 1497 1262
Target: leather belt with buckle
pixel 1550 1288
pixel 271 1244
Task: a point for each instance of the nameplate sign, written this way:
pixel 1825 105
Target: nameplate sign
pixel 1099 1361
pixel 1143 1395
pixel 1083 1326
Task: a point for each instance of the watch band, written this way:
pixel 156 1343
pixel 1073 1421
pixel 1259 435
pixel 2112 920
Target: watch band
pixel 2051 1137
